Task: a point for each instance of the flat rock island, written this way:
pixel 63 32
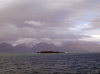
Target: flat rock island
pixel 50 52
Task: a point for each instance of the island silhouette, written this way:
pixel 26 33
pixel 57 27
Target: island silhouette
pixel 50 52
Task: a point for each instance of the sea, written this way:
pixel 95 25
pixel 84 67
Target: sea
pixel 50 64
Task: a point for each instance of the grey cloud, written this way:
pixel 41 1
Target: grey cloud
pixel 47 19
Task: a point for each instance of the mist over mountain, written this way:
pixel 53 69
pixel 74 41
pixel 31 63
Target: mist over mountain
pixel 71 47
pixel 5 47
pixel 45 46
pixel 8 48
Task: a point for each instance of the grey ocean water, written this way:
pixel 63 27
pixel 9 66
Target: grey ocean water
pixel 51 64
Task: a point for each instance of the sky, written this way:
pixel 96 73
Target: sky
pixel 52 21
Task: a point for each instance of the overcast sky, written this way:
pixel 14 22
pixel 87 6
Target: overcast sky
pixel 54 21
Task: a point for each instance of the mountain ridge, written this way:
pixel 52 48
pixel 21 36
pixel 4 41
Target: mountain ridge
pixel 71 47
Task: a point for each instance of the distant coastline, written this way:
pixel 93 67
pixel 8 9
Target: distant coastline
pixel 50 52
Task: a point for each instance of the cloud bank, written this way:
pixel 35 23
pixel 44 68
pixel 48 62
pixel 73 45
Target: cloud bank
pixel 54 21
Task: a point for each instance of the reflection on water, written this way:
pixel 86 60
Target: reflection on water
pixel 51 64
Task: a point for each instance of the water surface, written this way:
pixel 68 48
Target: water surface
pixel 50 64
